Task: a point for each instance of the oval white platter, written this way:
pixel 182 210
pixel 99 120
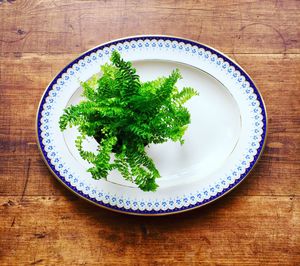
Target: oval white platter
pixel 222 144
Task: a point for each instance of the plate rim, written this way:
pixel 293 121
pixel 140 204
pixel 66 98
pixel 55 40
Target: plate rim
pixel 138 212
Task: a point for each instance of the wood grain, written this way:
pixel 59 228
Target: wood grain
pixel 41 229
pixel 41 223
pixel 74 26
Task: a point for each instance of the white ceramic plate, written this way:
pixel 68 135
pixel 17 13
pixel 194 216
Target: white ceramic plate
pixel 222 144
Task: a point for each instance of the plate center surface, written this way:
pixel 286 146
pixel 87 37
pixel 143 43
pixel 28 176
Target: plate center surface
pixel 211 137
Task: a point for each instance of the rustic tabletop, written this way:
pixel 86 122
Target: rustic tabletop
pixel 42 223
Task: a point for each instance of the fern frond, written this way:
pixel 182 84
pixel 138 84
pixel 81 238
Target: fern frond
pixel 86 155
pixel 101 162
pixel 185 94
pixel 70 117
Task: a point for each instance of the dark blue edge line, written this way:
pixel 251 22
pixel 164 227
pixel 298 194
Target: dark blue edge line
pixel 191 206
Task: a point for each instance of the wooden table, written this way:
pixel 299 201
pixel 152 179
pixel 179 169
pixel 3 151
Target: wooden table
pixel 41 223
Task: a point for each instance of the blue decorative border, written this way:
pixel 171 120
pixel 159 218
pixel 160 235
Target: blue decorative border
pixel 153 212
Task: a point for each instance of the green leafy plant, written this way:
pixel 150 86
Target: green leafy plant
pixel 124 115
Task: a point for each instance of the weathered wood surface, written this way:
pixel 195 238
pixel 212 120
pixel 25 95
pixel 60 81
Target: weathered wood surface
pixel 56 26
pixel 44 224
pixel 237 230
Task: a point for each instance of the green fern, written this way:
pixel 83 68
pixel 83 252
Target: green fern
pixel 124 115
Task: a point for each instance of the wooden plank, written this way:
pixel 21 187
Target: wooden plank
pixel 66 231
pixel 276 174
pixel 74 26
